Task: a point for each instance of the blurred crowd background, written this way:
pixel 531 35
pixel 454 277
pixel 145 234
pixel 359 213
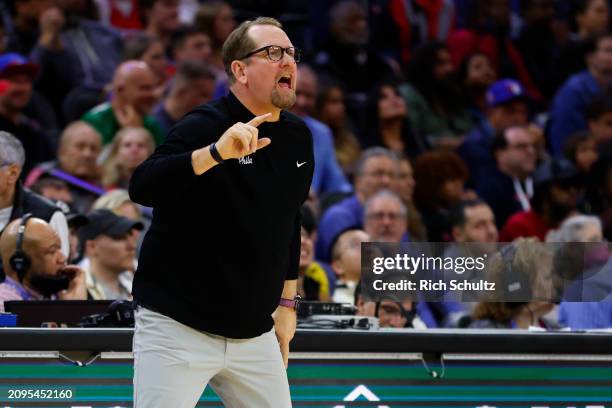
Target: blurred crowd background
pixel 432 120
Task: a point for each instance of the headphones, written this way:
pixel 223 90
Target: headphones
pixel 20 261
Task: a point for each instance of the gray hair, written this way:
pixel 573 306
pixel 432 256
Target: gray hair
pixel 376 151
pixel 383 194
pixel 11 150
pixel 570 229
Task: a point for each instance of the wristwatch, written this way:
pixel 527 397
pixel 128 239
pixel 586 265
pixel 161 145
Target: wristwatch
pixel 291 303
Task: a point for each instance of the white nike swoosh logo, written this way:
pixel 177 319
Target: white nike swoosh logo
pixel 300 164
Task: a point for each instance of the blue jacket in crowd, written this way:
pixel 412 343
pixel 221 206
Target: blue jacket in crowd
pixel 328 176
pixel 476 151
pixel 567 112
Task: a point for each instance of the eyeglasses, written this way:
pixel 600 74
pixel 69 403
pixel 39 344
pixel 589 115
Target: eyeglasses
pixel 523 146
pixel 275 53
pixel 378 216
pixel 381 173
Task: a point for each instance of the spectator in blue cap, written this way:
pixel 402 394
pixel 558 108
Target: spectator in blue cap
pixel 19 73
pixel 506 106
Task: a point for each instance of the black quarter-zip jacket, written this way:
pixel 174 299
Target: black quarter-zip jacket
pixel 222 244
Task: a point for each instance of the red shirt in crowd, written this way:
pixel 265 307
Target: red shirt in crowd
pixel 524 224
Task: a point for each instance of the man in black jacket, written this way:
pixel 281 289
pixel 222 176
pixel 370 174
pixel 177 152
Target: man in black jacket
pixel 509 187
pixel 216 278
pixel 15 201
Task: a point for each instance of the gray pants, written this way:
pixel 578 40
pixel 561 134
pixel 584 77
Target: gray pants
pixel 173 363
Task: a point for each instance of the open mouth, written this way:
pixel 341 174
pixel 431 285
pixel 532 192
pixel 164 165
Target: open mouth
pixel 285 82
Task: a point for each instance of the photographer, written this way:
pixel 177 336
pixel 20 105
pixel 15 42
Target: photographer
pixel 35 265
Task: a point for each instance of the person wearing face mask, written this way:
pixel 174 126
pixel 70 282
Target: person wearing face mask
pixel 34 265
pixel 216 282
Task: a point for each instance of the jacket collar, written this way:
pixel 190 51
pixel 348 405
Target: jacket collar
pixel 17 201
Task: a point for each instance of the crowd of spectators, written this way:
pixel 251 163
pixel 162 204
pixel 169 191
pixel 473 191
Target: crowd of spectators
pixel 443 120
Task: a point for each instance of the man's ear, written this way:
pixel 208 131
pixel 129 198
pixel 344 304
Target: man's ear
pixel 239 71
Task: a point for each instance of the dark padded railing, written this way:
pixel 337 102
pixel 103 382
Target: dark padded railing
pixel 400 341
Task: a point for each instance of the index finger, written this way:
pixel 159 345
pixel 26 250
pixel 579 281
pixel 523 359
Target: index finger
pixel 258 120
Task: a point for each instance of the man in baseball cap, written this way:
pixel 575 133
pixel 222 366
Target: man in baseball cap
pixel 12 64
pixel 505 91
pixel 109 244
pixel 16 76
pixel 506 106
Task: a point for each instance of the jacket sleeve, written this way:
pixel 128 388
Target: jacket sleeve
pixel 168 174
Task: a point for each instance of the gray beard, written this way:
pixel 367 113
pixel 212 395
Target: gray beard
pixel 282 102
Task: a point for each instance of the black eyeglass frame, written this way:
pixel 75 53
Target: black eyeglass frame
pixel 297 53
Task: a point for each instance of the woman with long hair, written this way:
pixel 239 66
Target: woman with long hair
pixel 330 109
pixel 388 122
pixel 436 105
pixel 440 177
pixel 130 147
pixel 476 74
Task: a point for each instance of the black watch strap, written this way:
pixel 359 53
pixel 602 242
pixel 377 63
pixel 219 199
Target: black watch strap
pixel 215 154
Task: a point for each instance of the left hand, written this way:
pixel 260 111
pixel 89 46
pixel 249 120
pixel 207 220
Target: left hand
pixel 127 116
pixel 285 320
pixel 77 290
pixel 51 23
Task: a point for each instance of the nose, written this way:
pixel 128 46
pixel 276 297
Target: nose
pixel 90 152
pixel 396 320
pixel 386 180
pixel 61 258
